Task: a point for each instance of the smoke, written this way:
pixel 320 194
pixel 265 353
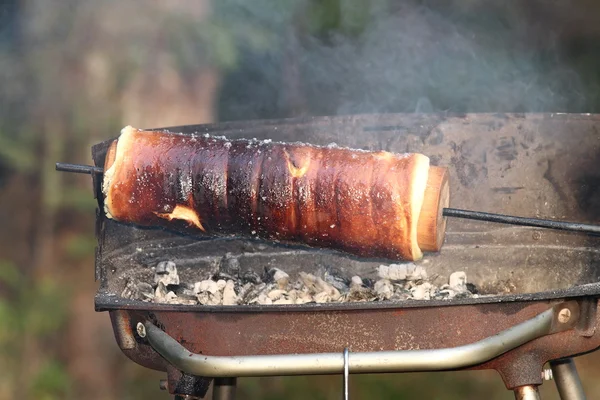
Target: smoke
pixel 411 56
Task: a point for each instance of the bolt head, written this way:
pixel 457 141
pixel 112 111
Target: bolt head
pixel 141 329
pixel 547 374
pixel 564 315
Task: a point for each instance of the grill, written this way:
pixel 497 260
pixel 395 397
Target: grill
pixel 539 288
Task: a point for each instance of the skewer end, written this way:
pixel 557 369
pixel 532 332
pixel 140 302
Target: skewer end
pixel 79 169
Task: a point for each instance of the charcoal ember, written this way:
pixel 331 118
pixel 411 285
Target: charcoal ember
pixel 384 289
pixel 368 282
pixel 402 272
pixel 183 290
pixel 254 291
pixel 138 291
pixel 472 288
pixel 401 295
pixel 277 276
pixel 225 276
pixel 336 281
pixel 243 291
pixel 262 299
pixel 463 295
pixel 422 291
pixel 250 276
pixel 166 272
pixel 445 293
pixel 230 266
pixel 229 296
pixel 360 293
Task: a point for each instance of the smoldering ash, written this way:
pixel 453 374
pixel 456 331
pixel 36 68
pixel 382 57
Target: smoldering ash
pixel 396 282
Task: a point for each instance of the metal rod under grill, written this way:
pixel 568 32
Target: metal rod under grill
pixel 447 212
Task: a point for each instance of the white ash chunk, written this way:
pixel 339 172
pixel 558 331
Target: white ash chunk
pixel 171 296
pixel 422 291
pixel 166 272
pixel 281 278
pixel 317 285
pixel 208 293
pixel 283 301
pixel 358 291
pixel 221 283
pixel 207 285
pixel 208 299
pixel 356 281
pixel 263 299
pixel 229 296
pixel 276 294
pixel 179 300
pixel 160 294
pixel 402 272
pixel 323 297
pixel 299 296
pixel 458 281
pixel 384 289
pixel 138 291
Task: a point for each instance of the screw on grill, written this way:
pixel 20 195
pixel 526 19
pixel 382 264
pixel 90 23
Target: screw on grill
pixel 564 315
pixel 141 330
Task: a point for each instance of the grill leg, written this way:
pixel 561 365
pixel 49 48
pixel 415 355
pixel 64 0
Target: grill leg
pixel 567 380
pixel 224 388
pixel 529 392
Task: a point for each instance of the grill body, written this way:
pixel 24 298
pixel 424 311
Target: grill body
pixel 537 165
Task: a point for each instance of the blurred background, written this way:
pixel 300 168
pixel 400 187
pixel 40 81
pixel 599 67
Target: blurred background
pixel 74 72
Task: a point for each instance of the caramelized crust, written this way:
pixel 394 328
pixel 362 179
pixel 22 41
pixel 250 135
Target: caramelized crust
pixel 364 203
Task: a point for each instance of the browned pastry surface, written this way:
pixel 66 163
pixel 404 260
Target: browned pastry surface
pixel 364 203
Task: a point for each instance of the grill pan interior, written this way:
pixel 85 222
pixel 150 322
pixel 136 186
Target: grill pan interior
pixel 537 165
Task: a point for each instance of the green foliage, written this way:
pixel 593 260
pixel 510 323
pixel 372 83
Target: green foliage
pixel 51 382
pixel 81 246
pixel 31 311
pixel 16 150
pixel 78 199
pixel 348 17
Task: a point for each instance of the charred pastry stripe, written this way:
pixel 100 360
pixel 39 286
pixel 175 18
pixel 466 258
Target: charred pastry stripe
pixel 367 203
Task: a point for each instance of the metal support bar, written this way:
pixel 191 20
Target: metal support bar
pixel 529 392
pixel 333 363
pixel 224 388
pixel 567 379
pixel 346 373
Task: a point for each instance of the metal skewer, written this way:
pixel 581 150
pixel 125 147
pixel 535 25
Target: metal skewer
pixel 447 212
pixel 535 222
pixel 79 169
